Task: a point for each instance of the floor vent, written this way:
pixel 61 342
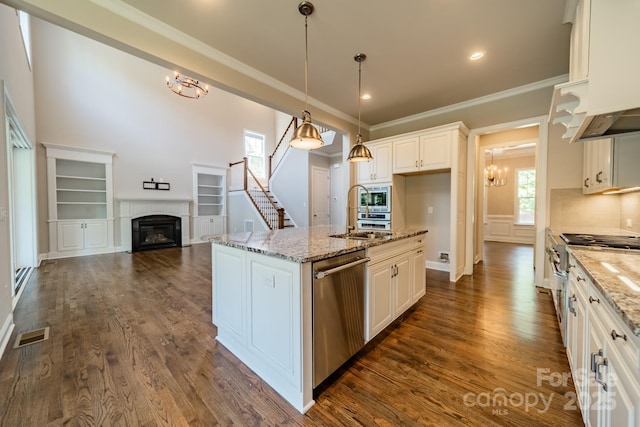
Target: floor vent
pixel 32 337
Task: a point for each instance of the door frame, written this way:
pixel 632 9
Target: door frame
pixel 325 171
pixel 473 253
pixel 27 166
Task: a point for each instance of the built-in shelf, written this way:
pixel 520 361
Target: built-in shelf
pixel 80 201
pixel 209 201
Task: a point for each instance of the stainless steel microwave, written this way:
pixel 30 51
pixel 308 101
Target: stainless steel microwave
pixel 375 199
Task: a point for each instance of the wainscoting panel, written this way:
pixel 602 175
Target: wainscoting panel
pixel 501 228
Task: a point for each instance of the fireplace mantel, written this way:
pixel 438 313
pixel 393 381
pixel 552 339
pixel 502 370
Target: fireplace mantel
pixel 130 208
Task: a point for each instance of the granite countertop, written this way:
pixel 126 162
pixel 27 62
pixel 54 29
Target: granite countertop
pixel 305 244
pixel 621 289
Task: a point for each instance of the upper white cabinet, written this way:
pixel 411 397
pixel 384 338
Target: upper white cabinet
pixel 427 152
pixel 610 164
pixel 80 192
pixel 603 73
pixel 209 201
pixel 378 170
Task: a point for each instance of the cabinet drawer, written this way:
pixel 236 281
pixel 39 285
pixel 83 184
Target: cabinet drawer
pixel 618 334
pixel 389 250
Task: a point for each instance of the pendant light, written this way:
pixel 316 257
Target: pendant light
pixel 306 135
pixel 359 152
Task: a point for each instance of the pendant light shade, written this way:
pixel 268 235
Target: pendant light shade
pixel 359 152
pixel 306 136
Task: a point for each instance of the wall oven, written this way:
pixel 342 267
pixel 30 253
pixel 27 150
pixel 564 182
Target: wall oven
pixel 374 208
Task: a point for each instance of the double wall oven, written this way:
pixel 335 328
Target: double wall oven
pixel 374 208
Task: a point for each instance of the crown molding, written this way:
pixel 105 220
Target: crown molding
pixel 164 30
pixel 542 84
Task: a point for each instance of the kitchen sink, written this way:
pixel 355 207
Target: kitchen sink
pixel 362 235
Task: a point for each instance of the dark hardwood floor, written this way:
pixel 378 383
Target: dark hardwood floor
pixel 132 344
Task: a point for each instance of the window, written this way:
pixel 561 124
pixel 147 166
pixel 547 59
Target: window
pixel 25 32
pixel 254 151
pixel 526 196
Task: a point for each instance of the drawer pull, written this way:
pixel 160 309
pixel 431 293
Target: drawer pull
pixel 572 299
pixel 579 278
pixel 598 376
pixel 593 359
pixel 615 335
pixel 592 300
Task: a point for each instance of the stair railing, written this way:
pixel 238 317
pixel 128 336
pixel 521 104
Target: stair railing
pixel 281 149
pixel 274 218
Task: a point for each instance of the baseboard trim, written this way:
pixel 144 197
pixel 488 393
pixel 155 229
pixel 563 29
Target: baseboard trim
pixel 5 333
pixel 440 266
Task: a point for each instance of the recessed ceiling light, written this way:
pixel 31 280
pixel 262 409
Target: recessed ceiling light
pixel 366 96
pixel 476 55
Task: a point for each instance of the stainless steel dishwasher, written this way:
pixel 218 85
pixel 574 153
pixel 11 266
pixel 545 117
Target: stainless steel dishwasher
pixel 338 312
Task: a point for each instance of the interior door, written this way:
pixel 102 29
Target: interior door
pixel 320 202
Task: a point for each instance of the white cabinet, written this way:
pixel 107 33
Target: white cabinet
pixel 610 164
pixel 209 201
pixel 577 334
pixel 419 272
pixel 262 310
pixel 378 170
pixel 80 192
pixel 427 152
pixel 208 226
pixel 81 235
pixel 396 280
pixel 604 356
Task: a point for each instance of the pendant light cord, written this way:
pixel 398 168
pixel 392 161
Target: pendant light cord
pixel 306 64
pixel 359 92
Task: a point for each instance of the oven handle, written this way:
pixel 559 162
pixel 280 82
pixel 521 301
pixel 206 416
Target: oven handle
pixel 554 259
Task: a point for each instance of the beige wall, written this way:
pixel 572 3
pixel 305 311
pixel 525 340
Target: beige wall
pixel 574 212
pixel 501 200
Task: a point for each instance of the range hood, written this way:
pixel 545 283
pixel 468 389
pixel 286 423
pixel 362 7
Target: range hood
pixel 612 124
pixel 569 107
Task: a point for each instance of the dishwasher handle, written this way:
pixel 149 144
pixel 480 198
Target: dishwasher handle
pixel 324 273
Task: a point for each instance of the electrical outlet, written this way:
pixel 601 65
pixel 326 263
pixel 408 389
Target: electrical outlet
pixel 430 210
pixel 629 223
pixel 443 256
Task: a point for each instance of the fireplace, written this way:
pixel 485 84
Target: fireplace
pixel 155 232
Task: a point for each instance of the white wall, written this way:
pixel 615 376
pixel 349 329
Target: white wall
pixel 421 193
pixel 290 184
pixel 91 95
pixel 17 80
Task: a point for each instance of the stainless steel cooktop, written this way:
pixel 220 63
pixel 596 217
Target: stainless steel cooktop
pixel 607 241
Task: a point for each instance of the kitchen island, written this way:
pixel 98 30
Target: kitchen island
pixel 262 295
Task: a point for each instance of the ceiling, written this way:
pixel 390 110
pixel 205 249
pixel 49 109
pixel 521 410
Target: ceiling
pixel 417 50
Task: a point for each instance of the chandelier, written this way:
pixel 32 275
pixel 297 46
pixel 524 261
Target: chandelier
pixel 187 87
pixel 493 175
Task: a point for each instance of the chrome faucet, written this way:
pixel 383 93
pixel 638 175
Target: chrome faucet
pixel 350 227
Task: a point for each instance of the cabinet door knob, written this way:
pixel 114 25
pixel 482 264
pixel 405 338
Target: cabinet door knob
pixel 592 300
pixel 615 335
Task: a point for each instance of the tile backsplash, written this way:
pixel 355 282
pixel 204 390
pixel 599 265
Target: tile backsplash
pixel 572 211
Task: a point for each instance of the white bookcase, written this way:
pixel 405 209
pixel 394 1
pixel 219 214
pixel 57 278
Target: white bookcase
pixel 209 201
pixel 80 191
